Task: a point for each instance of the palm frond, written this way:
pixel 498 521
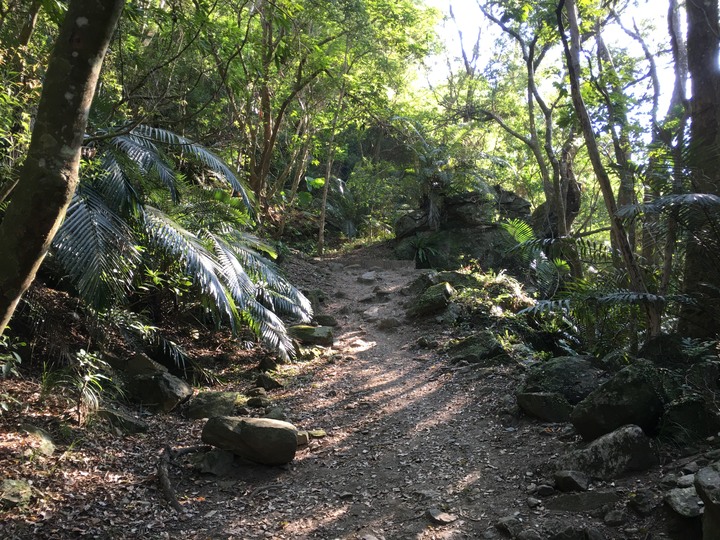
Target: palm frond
pixel 200 153
pixel 693 201
pixel 199 262
pixel 96 248
pixel 149 160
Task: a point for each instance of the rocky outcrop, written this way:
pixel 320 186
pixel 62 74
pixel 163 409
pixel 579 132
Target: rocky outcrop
pixel 160 391
pixel 624 450
pixel 260 440
pixel 632 396
pixel 433 300
pixel 573 377
pixel 480 348
pixel 552 388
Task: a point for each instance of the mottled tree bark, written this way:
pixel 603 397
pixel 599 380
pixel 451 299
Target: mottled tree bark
pixel 49 175
pixel 702 258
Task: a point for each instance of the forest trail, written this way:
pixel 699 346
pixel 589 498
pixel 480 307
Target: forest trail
pixel 406 434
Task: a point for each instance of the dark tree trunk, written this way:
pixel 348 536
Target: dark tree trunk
pixel 702 259
pixel 50 173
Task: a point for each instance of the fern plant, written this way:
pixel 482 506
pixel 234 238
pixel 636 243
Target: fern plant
pixel 138 206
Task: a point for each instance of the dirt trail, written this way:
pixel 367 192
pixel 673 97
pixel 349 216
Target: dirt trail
pixel 406 434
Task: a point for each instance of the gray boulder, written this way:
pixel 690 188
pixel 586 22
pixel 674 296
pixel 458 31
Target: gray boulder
pixel 547 406
pixel 685 502
pixel 632 396
pixel 433 300
pixel 15 493
pixel 123 421
pixel 267 382
pixel 312 335
pixel 480 348
pixel 624 450
pixel 260 440
pixel 209 404
pixel 137 363
pixel 571 481
pixel 573 377
pixel 707 485
pixel 687 419
pixel 160 391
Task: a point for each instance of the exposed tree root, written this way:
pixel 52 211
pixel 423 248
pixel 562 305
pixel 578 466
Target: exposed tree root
pixel 166 456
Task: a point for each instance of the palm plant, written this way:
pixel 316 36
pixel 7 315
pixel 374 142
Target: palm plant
pixel 134 206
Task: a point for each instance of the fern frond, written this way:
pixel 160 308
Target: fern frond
pixel 148 159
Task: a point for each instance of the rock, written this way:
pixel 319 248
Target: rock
pixel 686 480
pixel 388 324
pixel 312 335
pixel 276 413
pixel 547 406
pixel 533 502
pixel 125 422
pixel 260 440
pixel 217 462
pixel 372 314
pixel 688 419
pixel 573 377
pixel 14 493
pixel 43 440
pixel 685 502
pixel 258 391
pixel 707 486
pixel 529 534
pixel 615 518
pixel 704 377
pixel 161 391
pixel 587 501
pixel 368 278
pixel 325 320
pixel 303 438
pixel 137 363
pixel 208 404
pixel 565 531
pixel 544 490
pixel 480 348
pixel 631 396
pixel 665 350
pixel 266 382
pixel 510 205
pixel 510 525
pixel 571 481
pixel 624 450
pixel 258 402
pixel 317 433
pixel 436 298
pixel 268 363
pixel 440 517
pixel 644 502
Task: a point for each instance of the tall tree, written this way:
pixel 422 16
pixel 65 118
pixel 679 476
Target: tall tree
pixel 50 173
pixel 702 259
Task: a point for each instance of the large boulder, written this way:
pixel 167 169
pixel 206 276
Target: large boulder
pixel 707 485
pixel 160 391
pixel 480 348
pixel 433 300
pixel 260 440
pixel 689 419
pixel 312 335
pixel 624 450
pixel 632 396
pixel 547 406
pixel 209 404
pixel 572 377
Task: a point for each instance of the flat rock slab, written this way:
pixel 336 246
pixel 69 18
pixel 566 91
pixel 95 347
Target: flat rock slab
pixel 441 518
pixel 586 501
pixel 209 404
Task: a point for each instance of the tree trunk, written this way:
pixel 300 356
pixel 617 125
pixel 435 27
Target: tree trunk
pixel 702 264
pixel 50 173
pixel 572 54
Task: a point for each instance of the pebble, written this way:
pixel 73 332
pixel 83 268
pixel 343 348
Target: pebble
pixel 440 517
